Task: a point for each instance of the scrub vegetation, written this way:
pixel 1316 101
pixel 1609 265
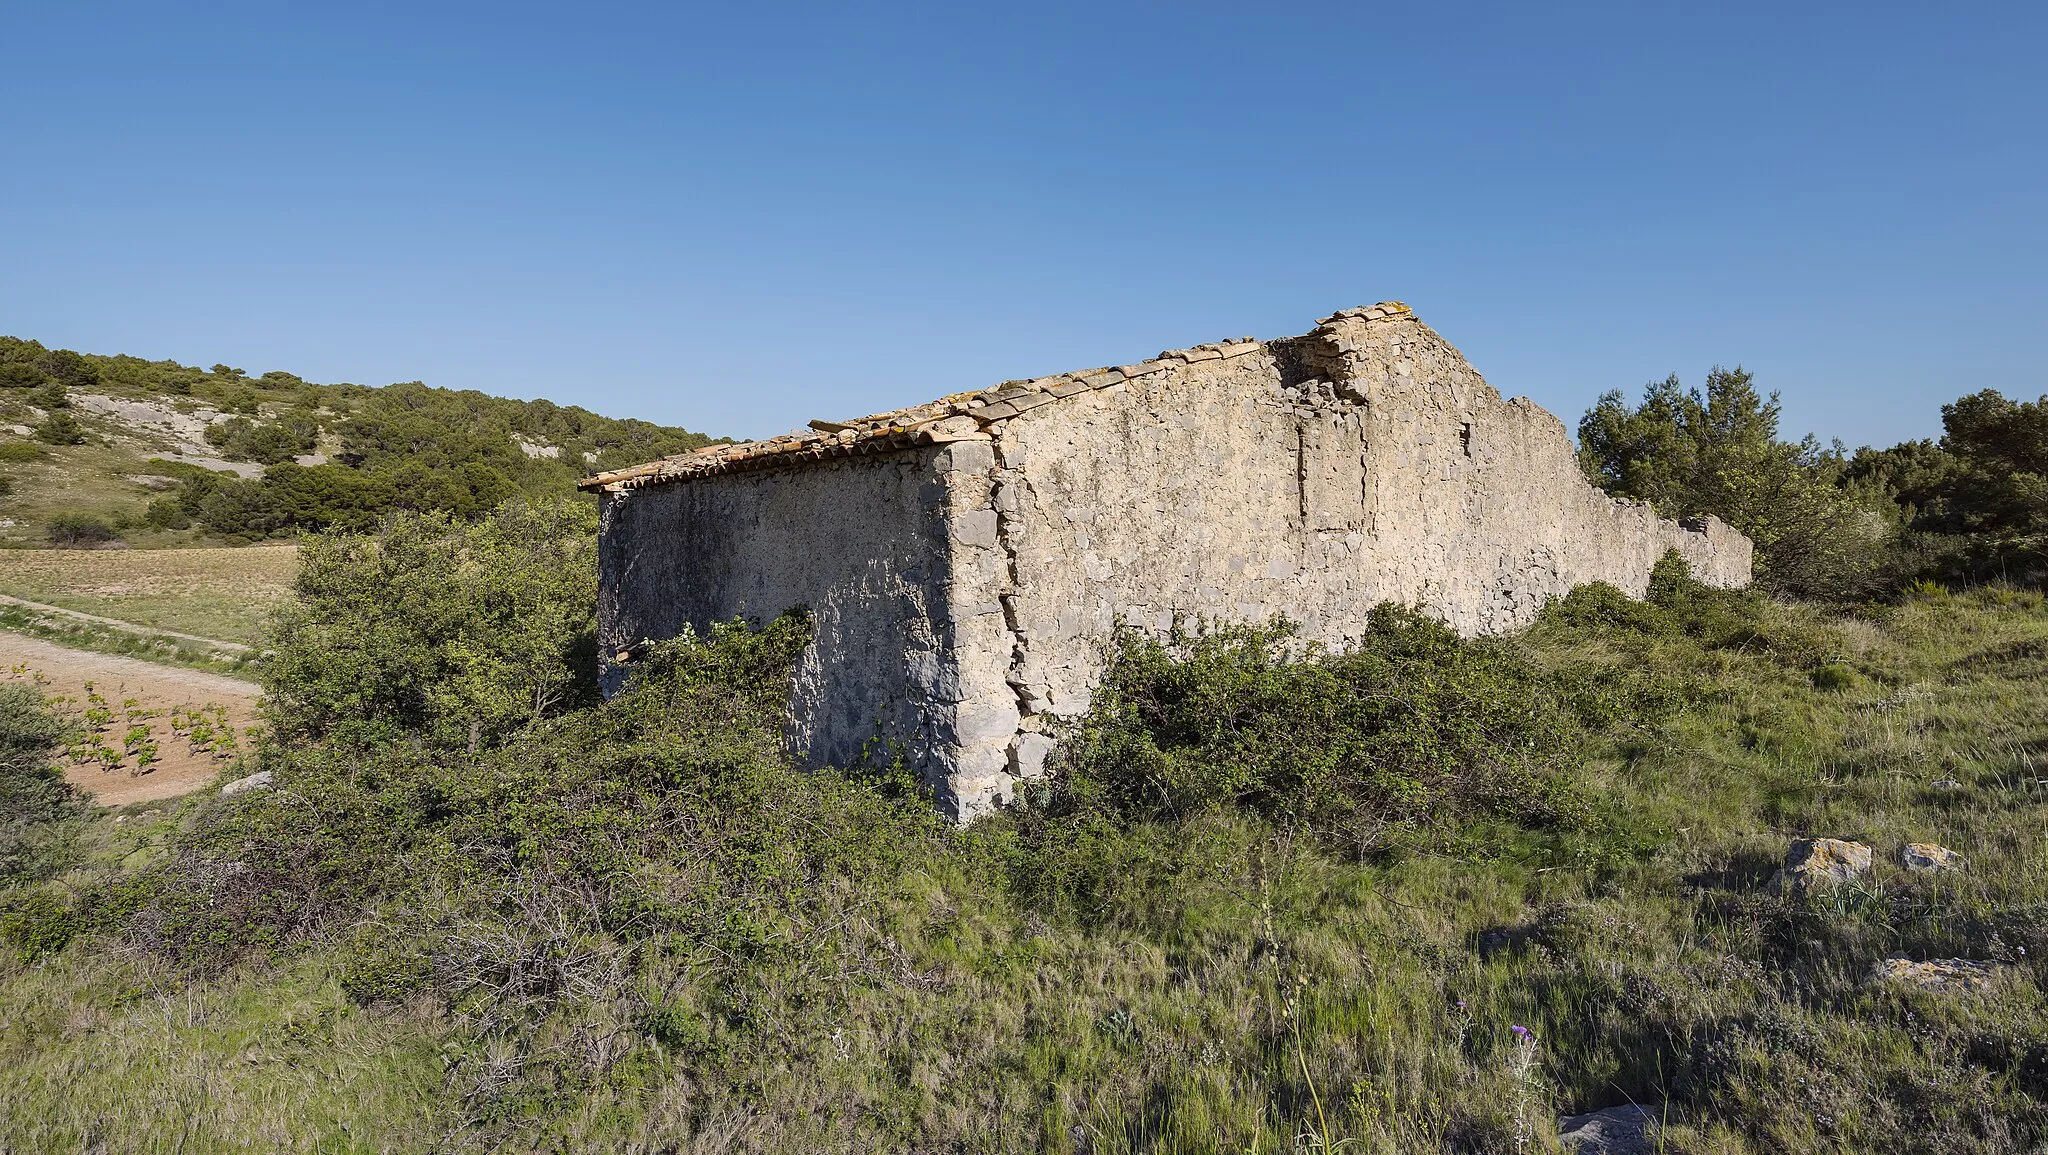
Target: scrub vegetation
pixel 101 450
pixel 1424 894
pixel 1427 894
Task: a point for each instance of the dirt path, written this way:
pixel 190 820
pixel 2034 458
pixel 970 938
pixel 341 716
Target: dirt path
pixel 118 624
pixel 158 693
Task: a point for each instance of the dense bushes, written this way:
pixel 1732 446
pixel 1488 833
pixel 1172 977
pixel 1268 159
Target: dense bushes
pixel 79 531
pixel 1717 451
pixel 60 428
pixel 1971 508
pixel 240 439
pixel 451 632
pixel 39 821
pixel 1274 891
pixel 404 447
pixel 1411 727
pixel 33 795
pixel 1976 502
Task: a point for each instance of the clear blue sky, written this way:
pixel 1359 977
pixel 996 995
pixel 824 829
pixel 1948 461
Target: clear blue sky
pixel 738 217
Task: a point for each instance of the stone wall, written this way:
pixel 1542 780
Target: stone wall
pixel 966 560
pixel 1365 462
pixel 863 544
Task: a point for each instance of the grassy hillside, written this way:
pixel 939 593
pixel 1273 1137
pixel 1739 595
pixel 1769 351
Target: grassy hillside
pixel 1268 904
pixel 154 453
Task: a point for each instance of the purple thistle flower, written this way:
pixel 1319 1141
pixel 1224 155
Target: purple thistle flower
pixel 1461 1004
pixel 1523 1033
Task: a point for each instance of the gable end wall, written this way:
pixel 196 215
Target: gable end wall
pixel 962 593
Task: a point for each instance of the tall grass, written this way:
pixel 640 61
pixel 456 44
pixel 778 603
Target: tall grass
pixel 634 927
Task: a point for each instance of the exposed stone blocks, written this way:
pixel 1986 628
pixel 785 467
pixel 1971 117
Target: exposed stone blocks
pixel 967 559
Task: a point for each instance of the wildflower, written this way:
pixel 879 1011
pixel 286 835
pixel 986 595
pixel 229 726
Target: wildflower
pixel 1461 1004
pixel 1523 1033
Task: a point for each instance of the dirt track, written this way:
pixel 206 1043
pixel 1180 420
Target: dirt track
pixel 64 674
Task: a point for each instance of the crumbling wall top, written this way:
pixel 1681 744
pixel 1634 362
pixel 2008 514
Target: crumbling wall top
pixel 959 417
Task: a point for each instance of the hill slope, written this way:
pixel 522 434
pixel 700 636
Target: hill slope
pixel 1430 895
pixel 94 448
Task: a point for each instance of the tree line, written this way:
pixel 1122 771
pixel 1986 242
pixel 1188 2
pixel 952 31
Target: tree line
pixel 1970 506
pixel 380 450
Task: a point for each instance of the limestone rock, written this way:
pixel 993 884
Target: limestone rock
pixel 1821 862
pixel 257 781
pixel 1928 856
pixel 1625 1130
pixel 1941 974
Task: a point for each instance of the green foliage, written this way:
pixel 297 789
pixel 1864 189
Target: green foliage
pixel 34 798
pixel 457 633
pixel 69 369
pixel 60 428
pixel 37 922
pixel 1414 727
pixel 636 924
pixel 408 447
pixel 240 439
pixel 166 513
pixel 1717 451
pixel 18 452
pixel 405 447
pixel 1980 496
pixel 79 531
pixel 1835 676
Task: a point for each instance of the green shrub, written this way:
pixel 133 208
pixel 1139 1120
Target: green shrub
pixel 1926 590
pixel 456 634
pixel 1597 607
pixel 1182 943
pixel 1413 728
pixel 35 800
pixel 1835 676
pixel 60 428
pixel 1818 532
pixel 79 531
pixel 50 395
pixel 381 965
pixel 17 452
pixel 166 513
pixel 36 923
pixel 240 439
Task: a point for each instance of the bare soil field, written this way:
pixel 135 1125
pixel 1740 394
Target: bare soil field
pixel 131 709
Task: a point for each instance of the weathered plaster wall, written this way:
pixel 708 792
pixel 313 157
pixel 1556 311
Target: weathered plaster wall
pixel 1366 462
pixel 866 544
pixel 966 560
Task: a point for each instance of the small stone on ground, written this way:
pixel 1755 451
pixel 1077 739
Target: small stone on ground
pixel 257 781
pixel 1941 974
pixel 1821 862
pixel 1928 856
pixel 1625 1130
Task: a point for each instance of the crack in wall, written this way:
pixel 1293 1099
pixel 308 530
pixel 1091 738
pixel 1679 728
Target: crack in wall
pixel 1313 476
pixel 1006 498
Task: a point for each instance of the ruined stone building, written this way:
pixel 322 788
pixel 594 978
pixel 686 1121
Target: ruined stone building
pixel 964 561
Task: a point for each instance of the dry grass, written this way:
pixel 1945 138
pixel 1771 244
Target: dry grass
pixel 216 593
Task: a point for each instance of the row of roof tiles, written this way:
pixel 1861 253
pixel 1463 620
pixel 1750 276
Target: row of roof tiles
pixel 959 417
